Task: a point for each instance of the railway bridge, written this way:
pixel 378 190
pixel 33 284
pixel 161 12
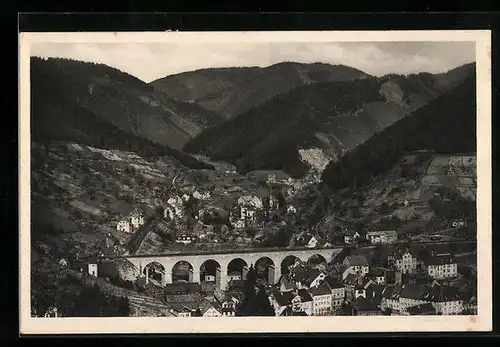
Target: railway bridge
pixel 221 267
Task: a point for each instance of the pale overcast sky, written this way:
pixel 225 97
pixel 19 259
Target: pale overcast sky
pixel 150 61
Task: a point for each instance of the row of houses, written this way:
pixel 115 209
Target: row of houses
pixel 362 289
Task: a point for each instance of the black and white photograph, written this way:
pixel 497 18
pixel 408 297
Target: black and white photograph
pixel 172 177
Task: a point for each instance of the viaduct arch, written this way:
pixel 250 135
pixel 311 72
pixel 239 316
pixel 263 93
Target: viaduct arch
pixel 222 267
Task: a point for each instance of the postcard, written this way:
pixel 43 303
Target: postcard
pixel 256 182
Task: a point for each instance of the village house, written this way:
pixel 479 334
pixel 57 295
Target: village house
pixel 446 300
pixel 355 264
pixel 411 298
pixel 370 291
pixel 291 209
pixel 412 295
pixel 234 276
pixel 378 275
pixel 90 267
pixel 351 281
pixel 384 236
pixel 303 301
pixel 181 288
pixel 240 224
pixel 406 261
pixel 124 226
pixel 169 213
pixel 250 201
pixel 274 203
pixel 137 219
pixel 441 266
pixel 281 300
pixel 177 205
pixel 305 277
pixel 192 304
pixel 286 284
pixel 62 263
pixel 390 298
pixel 351 237
pixel 209 309
pixel 247 214
pixel 366 307
pixel 52 312
pixel 201 196
pixel 299 300
pixel 271 178
pixel 228 305
pixel 183 311
pixel 185 238
pixel 322 299
pixel 337 289
pixel 458 223
pixel 288 311
pixel 312 242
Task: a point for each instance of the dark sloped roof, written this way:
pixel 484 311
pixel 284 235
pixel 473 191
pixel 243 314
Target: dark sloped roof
pixel 333 283
pixel 377 271
pixel 426 308
pixel 304 275
pixel 362 304
pixel 391 292
pixel 443 294
pixel 322 289
pixel 414 291
pixel 441 259
pixel 284 299
pixel 304 295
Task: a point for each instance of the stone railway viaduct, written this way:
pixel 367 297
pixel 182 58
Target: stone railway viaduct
pixel 228 262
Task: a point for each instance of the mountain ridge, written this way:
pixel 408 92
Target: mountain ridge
pixel 329 117
pixel 232 91
pixel 123 100
pixel 419 131
pixel 60 110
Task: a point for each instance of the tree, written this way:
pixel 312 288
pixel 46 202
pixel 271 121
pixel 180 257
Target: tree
pixel 255 301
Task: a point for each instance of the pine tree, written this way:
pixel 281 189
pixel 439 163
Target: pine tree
pixel 256 301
